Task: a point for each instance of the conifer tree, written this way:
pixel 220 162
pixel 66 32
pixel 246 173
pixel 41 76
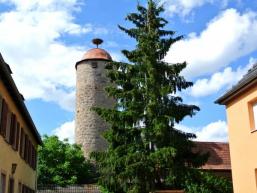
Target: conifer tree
pixel 146 152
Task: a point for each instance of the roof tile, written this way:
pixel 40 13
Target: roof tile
pixel 219 155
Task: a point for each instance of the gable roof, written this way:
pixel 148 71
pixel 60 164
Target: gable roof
pixel 5 76
pixel 219 155
pixel 246 82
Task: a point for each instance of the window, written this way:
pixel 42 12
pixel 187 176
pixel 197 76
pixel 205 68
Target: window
pixel 94 64
pixel 2 183
pixel 252 108
pixel 15 136
pixel 254 116
pixel 11 185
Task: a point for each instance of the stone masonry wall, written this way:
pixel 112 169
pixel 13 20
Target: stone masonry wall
pixel 90 93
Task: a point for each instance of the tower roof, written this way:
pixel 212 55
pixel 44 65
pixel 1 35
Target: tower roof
pixel 97 54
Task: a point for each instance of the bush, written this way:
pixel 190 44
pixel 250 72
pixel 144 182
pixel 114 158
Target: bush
pixel 204 182
pixel 61 163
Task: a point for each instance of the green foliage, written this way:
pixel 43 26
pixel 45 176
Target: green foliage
pixel 103 190
pixel 146 152
pixel 61 163
pixel 204 182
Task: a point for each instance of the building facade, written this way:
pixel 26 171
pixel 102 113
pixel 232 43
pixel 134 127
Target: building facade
pixel 90 85
pixel 241 108
pixel 18 138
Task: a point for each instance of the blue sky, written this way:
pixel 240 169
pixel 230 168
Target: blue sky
pixel 42 41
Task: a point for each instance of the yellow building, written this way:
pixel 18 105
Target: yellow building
pixel 241 107
pixel 18 138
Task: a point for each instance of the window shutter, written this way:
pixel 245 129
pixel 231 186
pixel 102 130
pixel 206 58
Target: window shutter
pixel 8 127
pixel 4 118
pixel 23 189
pixel 11 185
pixel 17 138
pixel 3 183
pixel 26 156
pixel 13 130
pixel 21 142
pixel 25 148
pixel 33 157
pixel 29 152
pixel 19 188
pixel 35 161
pixel 1 107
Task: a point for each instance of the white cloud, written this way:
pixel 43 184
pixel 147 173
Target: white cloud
pixel 215 131
pixel 30 41
pixel 185 7
pixel 227 78
pixel 66 131
pixel 27 5
pixel 227 37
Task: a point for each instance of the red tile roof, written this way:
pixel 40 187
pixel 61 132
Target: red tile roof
pixel 219 155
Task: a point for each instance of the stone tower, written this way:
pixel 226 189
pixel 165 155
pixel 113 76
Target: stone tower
pixel 91 81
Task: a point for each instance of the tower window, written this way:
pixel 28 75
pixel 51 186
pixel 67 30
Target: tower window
pixel 94 64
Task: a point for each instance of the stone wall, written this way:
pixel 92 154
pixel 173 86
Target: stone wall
pixel 91 81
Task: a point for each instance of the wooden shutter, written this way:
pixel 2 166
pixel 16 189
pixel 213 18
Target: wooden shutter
pixel 22 143
pixel 17 138
pixel 23 189
pixel 3 183
pixel 1 107
pixel 13 130
pixel 26 155
pixel 35 161
pixel 29 152
pixel 11 185
pixel 33 157
pixel 4 118
pixel 8 127
pixel 19 188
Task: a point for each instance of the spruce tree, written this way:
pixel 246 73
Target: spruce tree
pixel 146 152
